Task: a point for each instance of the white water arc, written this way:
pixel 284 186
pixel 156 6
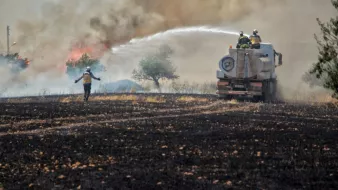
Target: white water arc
pixel 137 43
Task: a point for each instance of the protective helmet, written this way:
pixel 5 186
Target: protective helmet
pixel 255 31
pixel 241 33
pixel 88 69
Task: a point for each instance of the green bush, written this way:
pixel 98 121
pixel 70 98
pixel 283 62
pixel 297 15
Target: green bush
pixel 326 68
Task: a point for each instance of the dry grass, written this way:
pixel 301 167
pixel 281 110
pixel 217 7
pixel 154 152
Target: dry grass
pixel 191 99
pixel 19 100
pixel 299 97
pixel 233 101
pixel 100 98
pixel 155 99
pixel 327 99
pixel 134 98
pixel 71 99
pixel 311 98
pixel 115 98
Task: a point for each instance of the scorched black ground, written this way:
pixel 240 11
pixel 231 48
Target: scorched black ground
pixel 167 143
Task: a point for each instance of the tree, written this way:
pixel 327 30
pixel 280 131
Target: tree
pixel 75 68
pixel 156 67
pixel 326 68
pixel 312 80
pixel 16 61
pixel 83 62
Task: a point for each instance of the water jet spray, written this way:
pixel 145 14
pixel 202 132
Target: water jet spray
pixel 176 31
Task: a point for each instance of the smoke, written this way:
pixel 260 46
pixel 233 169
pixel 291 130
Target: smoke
pixel 291 28
pixel 46 30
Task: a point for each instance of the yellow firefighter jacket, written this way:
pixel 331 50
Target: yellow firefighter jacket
pixel 87 78
pixel 255 39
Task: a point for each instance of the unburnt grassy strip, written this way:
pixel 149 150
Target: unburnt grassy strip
pixel 70 125
pixel 56 109
pixel 302 110
pixel 130 111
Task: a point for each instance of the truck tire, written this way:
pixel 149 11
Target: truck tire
pixel 269 91
pixel 274 91
pixel 279 96
pixel 265 91
pixel 257 99
pixel 225 97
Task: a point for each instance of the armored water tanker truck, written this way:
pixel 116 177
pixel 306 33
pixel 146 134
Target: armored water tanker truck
pixel 249 73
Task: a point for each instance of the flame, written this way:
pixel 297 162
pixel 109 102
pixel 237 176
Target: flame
pixel 94 51
pixel 77 53
pixel 27 62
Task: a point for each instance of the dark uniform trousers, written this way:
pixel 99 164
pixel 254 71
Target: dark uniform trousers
pixel 87 88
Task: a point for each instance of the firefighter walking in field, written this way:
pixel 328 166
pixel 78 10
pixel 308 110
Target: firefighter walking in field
pixel 87 82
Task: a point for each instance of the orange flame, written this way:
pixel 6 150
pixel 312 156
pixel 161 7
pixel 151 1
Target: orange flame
pixel 27 62
pixel 95 51
pixel 77 53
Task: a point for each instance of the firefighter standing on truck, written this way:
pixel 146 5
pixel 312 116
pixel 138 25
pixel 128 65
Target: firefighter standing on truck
pixel 243 41
pixel 87 82
pixel 255 40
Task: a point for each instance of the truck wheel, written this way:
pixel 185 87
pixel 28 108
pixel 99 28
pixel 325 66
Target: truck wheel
pixel 265 97
pixel 279 96
pixel 274 91
pixel 224 97
pixel 257 99
pixel 220 97
pixel 266 92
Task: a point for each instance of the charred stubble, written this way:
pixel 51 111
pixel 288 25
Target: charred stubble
pixel 172 144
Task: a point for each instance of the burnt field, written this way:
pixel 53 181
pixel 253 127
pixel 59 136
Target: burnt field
pixel 166 142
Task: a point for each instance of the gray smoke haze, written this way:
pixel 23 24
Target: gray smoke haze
pixel 45 31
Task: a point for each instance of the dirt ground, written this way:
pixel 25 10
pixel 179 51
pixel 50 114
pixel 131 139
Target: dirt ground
pixel 166 142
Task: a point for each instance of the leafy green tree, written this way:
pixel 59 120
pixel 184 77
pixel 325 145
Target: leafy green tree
pixel 156 67
pixel 326 68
